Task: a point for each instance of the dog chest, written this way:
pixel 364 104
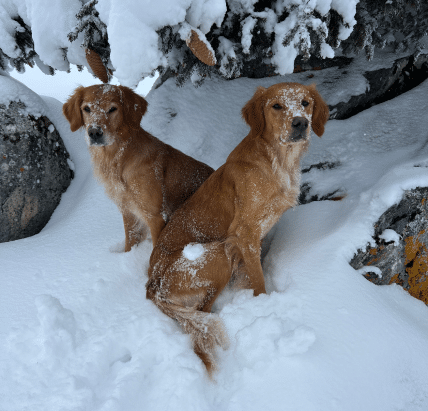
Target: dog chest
pixel 282 194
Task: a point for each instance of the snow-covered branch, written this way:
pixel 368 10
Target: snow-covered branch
pixel 194 38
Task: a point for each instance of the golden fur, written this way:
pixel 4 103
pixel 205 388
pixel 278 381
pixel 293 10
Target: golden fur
pixel 216 235
pixel 147 179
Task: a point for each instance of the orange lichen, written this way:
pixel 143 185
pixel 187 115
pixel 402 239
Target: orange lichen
pixel 417 267
pixel 396 280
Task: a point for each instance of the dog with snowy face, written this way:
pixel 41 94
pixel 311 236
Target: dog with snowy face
pixel 215 236
pixel 146 178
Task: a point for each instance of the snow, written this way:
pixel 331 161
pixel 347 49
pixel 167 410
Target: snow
pixel 193 251
pixel 49 39
pixel 389 235
pixel 370 269
pixel 326 51
pixel 78 333
pixel 12 91
pixel 132 30
pixel 133 27
pixel 284 56
pixel 247 36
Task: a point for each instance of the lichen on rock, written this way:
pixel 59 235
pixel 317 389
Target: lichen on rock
pixel 403 262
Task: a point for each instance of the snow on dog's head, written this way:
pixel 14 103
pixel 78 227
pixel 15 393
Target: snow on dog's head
pixel 106 111
pixel 285 111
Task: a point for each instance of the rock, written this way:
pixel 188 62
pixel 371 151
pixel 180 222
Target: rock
pixel 306 190
pixel 402 259
pixel 384 84
pixel 33 172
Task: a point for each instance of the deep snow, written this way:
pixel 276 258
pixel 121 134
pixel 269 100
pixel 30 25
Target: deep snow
pixel 79 334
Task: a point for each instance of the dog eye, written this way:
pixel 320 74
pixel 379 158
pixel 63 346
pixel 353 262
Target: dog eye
pixel 112 109
pixel 277 107
pixel 305 103
pixel 87 109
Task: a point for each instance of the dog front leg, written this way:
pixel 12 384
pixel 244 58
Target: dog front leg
pixel 254 273
pixel 156 225
pixel 245 256
pixel 135 230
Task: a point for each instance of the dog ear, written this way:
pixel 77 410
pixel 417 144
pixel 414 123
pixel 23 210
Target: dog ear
pixel 71 109
pixel 321 111
pixel 134 105
pixel 253 111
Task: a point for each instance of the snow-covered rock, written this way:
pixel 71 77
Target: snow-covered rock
pixel 400 249
pixel 34 163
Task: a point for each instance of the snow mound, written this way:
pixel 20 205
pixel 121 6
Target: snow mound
pixel 14 90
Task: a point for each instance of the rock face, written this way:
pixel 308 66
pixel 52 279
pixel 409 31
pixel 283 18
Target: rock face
pixel 405 260
pixel 385 84
pixel 33 172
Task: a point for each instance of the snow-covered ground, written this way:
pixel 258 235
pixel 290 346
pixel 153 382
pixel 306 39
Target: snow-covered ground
pixel 78 334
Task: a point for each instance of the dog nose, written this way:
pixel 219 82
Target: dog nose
pixel 95 134
pixel 300 123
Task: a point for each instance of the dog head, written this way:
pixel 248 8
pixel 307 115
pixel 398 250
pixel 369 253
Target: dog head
pixel 286 111
pixel 107 112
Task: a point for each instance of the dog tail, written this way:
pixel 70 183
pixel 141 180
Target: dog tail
pixel 206 329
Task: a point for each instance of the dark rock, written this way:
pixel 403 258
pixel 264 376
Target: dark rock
pixel 307 194
pixel 385 84
pixel 33 172
pixel 405 263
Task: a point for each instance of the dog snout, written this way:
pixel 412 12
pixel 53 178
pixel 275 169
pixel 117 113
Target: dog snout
pixel 96 135
pixel 300 123
pixel 299 127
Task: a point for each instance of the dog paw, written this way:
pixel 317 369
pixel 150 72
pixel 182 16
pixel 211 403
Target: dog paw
pixel 118 248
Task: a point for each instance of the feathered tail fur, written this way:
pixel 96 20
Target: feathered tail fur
pixel 206 329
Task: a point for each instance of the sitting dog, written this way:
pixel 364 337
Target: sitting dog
pixel 147 179
pixel 216 234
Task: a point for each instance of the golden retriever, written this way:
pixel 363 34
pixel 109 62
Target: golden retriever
pixel 216 234
pixel 146 178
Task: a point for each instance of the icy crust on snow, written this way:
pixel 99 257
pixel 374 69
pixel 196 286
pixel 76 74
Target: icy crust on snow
pixel 78 333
